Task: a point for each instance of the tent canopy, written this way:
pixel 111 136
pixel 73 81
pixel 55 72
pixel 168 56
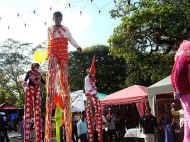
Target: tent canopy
pixel 79 98
pixel 132 94
pixel 77 101
pixel 100 96
pixel 161 87
pixel 5 106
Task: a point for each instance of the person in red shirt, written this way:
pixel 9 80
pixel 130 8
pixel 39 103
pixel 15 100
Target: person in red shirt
pixel 57 80
pixel 180 79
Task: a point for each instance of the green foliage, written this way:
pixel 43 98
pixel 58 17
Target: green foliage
pixel 148 68
pixel 150 25
pixel 149 32
pixel 13 62
pixel 110 71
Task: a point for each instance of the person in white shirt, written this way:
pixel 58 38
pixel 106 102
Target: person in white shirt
pixel 58 88
pixel 91 100
pixel 82 129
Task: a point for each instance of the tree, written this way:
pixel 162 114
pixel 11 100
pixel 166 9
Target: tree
pixel 13 62
pixel 146 68
pixel 110 71
pixel 147 36
pixel 149 25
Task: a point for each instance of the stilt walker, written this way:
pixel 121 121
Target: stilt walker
pixel 181 83
pixel 92 100
pixel 32 103
pixel 57 77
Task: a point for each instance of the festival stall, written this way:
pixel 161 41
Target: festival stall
pixel 133 94
pixel 79 100
pixel 133 100
pixel 159 94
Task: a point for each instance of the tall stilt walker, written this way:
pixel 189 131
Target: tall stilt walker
pixel 92 100
pixel 57 78
pixel 32 103
pixel 181 83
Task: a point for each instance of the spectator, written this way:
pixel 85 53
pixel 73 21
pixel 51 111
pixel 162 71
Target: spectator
pixel 148 124
pixel 82 128
pixel 74 128
pixel 3 128
pixel 111 125
pixel 22 128
pixel 104 127
pixel 168 130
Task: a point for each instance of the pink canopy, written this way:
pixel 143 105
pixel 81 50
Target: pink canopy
pixel 132 94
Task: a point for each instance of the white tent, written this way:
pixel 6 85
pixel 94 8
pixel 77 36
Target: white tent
pixel 161 87
pixel 78 98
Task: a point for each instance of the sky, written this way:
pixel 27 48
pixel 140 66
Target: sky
pixel 24 20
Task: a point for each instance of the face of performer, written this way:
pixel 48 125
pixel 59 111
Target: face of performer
pixel 37 68
pixel 57 19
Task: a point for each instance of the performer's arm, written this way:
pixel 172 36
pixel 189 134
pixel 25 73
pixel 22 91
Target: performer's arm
pixel 78 129
pixel 178 67
pixel 72 40
pixel 43 81
pixel 86 81
pixel 25 79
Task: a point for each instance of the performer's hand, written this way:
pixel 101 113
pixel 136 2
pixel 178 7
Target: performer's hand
pixel 79 49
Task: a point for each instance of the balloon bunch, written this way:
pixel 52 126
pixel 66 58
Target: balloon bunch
pixel 40 56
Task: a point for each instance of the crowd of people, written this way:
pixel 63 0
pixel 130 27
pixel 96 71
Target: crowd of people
pixel 167 127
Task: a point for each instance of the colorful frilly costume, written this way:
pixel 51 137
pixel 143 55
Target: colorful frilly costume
pixel 92 100
pixel 181 83
pixel 32 103
pixel 57 82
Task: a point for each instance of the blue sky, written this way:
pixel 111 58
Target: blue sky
pixel 88 29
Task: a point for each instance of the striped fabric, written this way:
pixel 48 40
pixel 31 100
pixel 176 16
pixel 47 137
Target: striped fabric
pixel 57 84
pixel 58 48
pixel 32 102
pixel 97 123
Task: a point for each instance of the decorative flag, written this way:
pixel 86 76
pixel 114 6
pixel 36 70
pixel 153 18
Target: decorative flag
pixel 58 118
pixel 58 101
pixel 93 68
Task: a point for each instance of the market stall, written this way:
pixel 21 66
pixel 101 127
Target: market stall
pixel 79 99
pixel 161 90
pixel 132 94
pixel 133 100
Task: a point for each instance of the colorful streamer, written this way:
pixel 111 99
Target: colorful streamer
pixel 58 118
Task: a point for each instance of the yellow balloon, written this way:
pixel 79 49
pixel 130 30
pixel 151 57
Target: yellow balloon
pixel 40 56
